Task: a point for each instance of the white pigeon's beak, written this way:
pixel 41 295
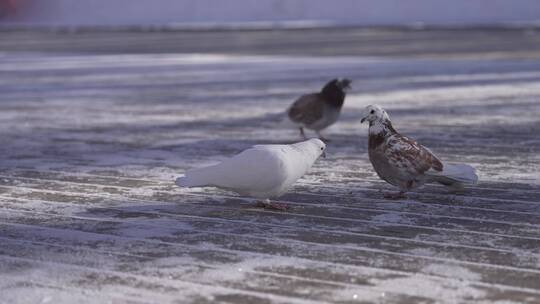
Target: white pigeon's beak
pixel 323 154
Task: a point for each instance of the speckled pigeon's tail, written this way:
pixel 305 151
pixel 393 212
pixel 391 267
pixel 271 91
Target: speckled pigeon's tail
pixel 455 173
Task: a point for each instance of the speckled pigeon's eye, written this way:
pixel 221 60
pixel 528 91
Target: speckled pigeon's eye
pixel 372 112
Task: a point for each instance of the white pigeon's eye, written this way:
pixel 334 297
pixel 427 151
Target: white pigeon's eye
pixel 322 148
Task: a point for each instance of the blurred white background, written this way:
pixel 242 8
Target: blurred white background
pixel 353 12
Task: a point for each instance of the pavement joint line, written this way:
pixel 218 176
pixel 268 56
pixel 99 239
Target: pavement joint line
pixel 251 253
pixel 212 219
pixel 358 248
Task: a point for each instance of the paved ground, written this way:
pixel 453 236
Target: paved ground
pixel 96 126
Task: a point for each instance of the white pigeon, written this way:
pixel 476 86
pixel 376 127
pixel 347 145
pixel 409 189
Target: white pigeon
pixel 264 171
pixel 404 163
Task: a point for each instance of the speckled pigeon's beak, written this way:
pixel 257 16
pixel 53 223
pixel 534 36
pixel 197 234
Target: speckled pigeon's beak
pixel 362 120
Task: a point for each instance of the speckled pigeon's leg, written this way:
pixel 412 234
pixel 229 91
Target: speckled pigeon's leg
pixel 267 204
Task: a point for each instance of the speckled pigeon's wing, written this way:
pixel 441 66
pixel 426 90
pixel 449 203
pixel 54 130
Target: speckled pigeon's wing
pixel 307 110
pixel 410 156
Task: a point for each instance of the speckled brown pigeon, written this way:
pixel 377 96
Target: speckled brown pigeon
pixel 403 162
pixel 317 111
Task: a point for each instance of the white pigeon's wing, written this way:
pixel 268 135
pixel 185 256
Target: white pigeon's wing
pixel 271 147
pixel 257 169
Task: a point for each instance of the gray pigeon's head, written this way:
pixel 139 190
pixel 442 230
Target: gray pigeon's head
pixel 374 113
pixel 335 90
pixel 344 84
pixel 337 84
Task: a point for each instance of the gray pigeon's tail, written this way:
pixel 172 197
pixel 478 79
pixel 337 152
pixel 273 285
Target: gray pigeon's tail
pixel 455 174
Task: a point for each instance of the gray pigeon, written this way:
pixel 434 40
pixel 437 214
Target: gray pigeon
pixel 317 111
pixel 403 162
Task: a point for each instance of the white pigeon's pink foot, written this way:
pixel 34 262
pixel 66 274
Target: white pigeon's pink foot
pixel 395 195
pixel 267 204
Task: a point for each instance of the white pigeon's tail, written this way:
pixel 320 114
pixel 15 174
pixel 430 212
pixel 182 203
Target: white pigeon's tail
pixel 455 174
pixel 194 178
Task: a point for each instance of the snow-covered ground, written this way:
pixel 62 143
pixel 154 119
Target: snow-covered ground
pixel 91 144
